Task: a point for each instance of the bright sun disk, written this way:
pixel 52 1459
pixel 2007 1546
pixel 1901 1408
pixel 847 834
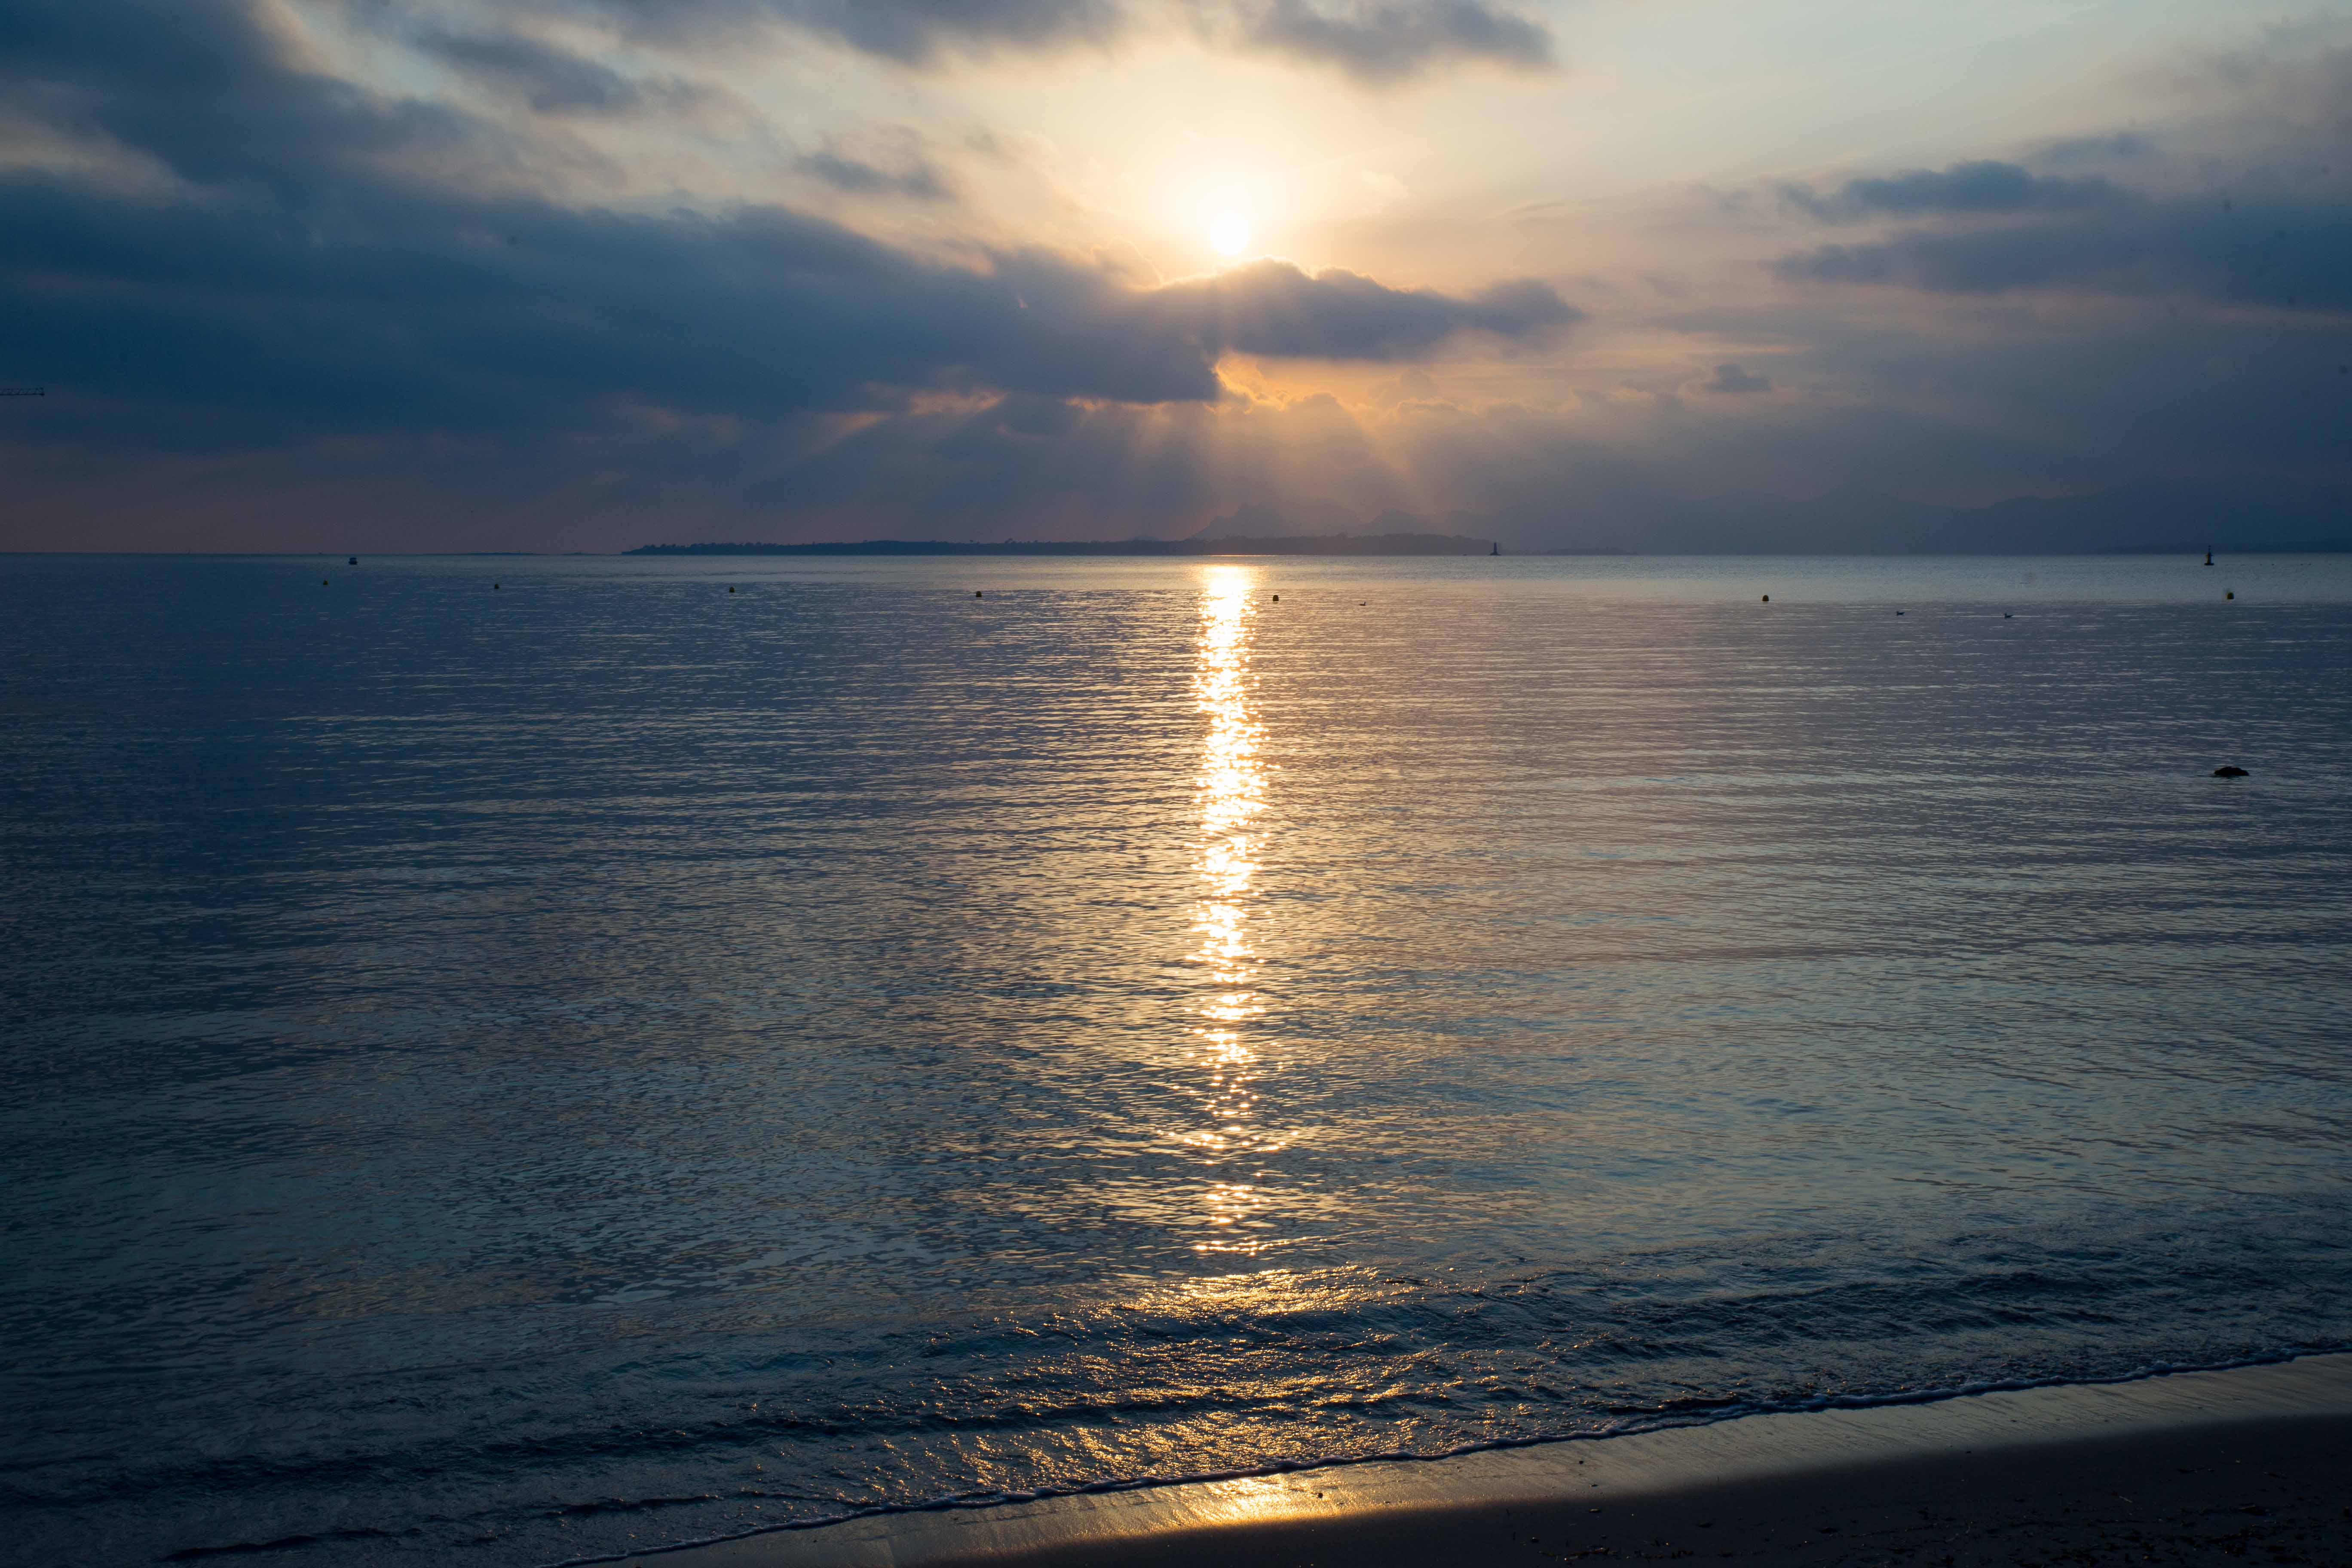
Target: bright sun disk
pixel 1228 233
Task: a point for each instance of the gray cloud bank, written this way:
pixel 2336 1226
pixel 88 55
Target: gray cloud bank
pixel 296 280
pixel 1982 186
pixel 2283 249
pixel 1377 42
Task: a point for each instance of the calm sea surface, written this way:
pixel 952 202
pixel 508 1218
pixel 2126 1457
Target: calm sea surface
pixel 512 1073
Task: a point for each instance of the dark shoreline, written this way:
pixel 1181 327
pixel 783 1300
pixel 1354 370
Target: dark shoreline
pixel 2191 1468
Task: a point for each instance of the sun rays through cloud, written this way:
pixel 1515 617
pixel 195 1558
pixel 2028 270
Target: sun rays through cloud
pixel 1481 261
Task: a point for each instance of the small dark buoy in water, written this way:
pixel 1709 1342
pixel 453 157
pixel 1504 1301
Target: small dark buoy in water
pixel 322 582
pixel 352 561
pixel 2230 774
pixel 2230 594
pixel 494 586
pixel 978 595
pixel 730 589
pixel 2004 615
pixel 1767 598
pixel 1278 598
pixel 1898 612
pixel 2209 558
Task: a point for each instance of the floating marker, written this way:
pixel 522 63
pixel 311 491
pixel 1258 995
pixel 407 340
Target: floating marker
pixel 730 590
pixel 1767 598
pixel 1278 598
pixel 494 584
pixel 978 595
pixel 2231 594
pixel 322 582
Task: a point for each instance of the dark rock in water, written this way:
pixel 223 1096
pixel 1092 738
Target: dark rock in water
pixel 2230 774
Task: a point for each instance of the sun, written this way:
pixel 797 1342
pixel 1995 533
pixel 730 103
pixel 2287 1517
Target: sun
pixel 1230 233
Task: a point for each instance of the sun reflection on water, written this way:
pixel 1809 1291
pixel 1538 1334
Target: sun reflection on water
pixel 1229 794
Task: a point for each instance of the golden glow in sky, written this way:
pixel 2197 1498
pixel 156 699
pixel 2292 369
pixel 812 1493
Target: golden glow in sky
pixel 1230 233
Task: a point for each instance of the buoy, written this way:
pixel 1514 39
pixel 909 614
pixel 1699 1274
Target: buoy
pixel 1278 598
pixel 978 595
pixel 1767 598
pixel 2230 594
pixel 1898 612
pixel 322 582
pixel 2004 615
pixel 494 584
pixel 730 590
pixel 2229 773
pixel 352 561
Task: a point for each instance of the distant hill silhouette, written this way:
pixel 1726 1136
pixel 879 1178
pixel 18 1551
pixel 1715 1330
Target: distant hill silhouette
pixel 1294 545
pixel 2183 516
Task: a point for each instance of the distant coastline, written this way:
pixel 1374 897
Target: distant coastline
pixel 1294 544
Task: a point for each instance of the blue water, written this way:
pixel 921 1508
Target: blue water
pixel 504 1074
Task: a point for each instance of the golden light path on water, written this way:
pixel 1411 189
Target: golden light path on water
pixel 1229 797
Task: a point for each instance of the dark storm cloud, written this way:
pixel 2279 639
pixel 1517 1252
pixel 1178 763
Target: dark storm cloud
pixel 2275 250
pixel 1378 44
pixel 1982 186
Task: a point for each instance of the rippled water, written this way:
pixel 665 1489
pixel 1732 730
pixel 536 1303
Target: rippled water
pixel 518 1072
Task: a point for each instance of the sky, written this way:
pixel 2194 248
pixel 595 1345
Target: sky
pixel 380 275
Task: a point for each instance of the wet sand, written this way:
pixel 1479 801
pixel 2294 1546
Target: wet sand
pixel 2252 1464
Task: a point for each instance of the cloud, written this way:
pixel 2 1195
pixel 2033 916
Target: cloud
pixel 1733 378
pixel 1982 186
pixel 1378 44
pixel 915 179
pixel 398 309
pixel 548 80
pixel 919 32
pixel 2124 146
pixel 308 275
pixel 213 92
pixel 1274 307
pixel 2274 250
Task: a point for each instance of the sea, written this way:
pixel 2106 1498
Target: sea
pixel 517 1060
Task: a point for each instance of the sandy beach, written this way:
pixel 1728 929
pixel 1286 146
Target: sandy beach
pixel 2249 1464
